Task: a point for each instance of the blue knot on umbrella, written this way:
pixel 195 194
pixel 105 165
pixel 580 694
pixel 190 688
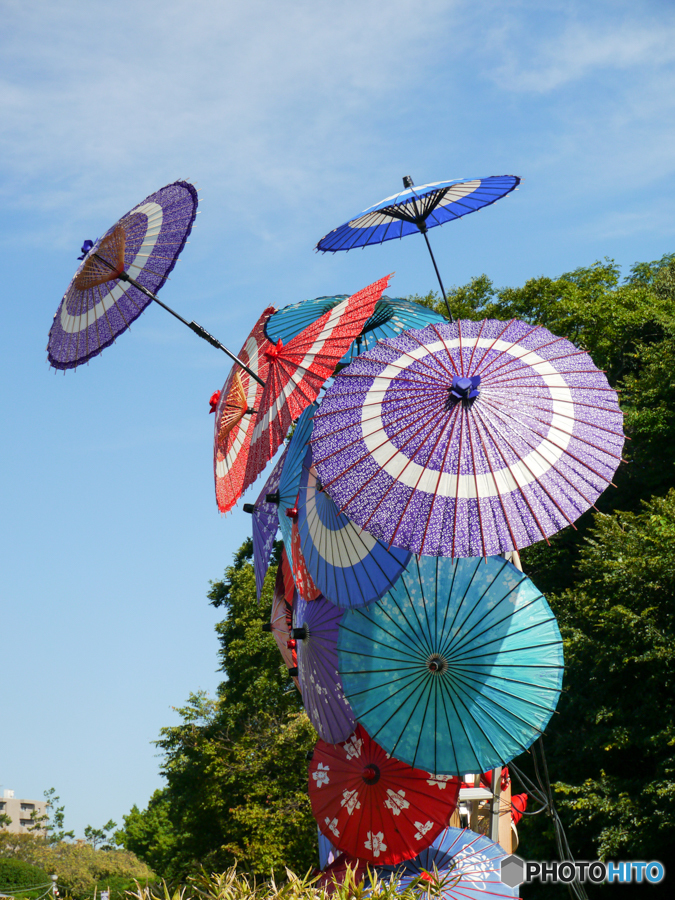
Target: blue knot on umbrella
pixel 464 388
pixel 85 248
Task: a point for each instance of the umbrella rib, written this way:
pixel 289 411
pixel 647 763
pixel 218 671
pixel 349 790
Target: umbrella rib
pixel 486 350
pixel 475 479
pixel 505 351
pixel 468 683
pixel 441 470
pixel 468 613
pixel 512 358
pixel 423 472
pixel 459 472
pixel 486 455
pixel 436 359
pixel 521 492
pixel 475 346
pixel 505 415
pixel 476 696
pixel 346 536
pixel 493 624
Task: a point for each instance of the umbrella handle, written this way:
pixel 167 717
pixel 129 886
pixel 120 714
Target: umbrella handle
pixel 194 326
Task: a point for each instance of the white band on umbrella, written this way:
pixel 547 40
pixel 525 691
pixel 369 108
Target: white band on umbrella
pixel 74 324
pixel 264 423
pixel 249 355
pixel 450 484
pixel 344 554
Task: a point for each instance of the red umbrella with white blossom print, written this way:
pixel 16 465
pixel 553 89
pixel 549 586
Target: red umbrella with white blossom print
pixel 374 807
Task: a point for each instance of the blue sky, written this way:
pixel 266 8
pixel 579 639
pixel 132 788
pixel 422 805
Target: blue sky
pixel 290 117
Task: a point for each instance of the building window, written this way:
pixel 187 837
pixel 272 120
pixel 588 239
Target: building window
pixel 26 823
pixel 27 807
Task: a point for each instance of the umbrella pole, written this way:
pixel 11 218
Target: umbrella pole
pixel 194 326
pixel 438 274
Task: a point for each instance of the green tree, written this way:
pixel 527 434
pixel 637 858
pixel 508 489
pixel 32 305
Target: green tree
pixel 51 822
pixel 101 838
pixel 235 766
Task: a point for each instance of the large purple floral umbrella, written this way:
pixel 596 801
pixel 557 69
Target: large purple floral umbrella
pixel 316 631
pixel 265 523
pixel 468 439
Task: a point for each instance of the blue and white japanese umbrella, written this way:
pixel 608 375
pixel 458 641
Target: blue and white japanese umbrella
pixel 460 864
pixel 349 566
pixel 286 495
pixel 392 316
pixel 416 210
pixel 457 669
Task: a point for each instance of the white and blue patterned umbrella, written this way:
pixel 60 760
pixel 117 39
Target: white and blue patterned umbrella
pixel 468 866
pixel 349 566
pixel 457 669
pixel 415 210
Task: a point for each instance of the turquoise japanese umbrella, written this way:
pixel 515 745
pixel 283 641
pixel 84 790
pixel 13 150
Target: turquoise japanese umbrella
pixel 458 668
pixel 289 484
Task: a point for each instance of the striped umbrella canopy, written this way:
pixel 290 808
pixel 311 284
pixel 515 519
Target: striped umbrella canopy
pixel 265 523
pixel 286 496
pixel 392 315
pixel 298 369
pixel 235 420
pixel 468 439
pixel 426 205
pixel 458 668
pixel 348 565
pixel 100 302
pixel 372 806
pixel 303 579
pixel 281 616
pixel 460 864
pixel 315 629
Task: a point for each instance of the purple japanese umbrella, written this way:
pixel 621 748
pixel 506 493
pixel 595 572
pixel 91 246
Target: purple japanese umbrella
pixel 468 439
pixel 316 631
pixel 120 274
pixel 265 523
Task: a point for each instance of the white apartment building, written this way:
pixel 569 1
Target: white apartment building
pixel 20 812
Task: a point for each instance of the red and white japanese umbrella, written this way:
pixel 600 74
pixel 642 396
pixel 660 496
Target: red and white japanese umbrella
pixel 281 616
pixel 303 580
pixel 374 807
pixel 235 417
pixel 297 371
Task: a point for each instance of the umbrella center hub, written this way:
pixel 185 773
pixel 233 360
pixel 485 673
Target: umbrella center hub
pixel 464 389
pixel 437 664
pixel 371 774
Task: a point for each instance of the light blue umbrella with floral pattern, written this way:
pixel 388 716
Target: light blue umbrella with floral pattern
pixel 458 668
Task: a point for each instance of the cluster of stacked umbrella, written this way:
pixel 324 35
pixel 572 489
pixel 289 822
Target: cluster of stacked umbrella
pixel 418 455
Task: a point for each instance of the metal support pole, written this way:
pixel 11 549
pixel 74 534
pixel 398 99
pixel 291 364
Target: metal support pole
pixel 193 326
pixel 496 797
pixel 438 274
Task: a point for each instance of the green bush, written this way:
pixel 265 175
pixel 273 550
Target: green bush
pixel 16 874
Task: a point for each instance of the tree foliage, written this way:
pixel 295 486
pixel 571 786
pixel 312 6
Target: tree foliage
pixel 235 766
pixel 81 870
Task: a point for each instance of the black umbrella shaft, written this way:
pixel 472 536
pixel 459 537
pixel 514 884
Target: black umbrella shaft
pixel 193 326
pixel 438 274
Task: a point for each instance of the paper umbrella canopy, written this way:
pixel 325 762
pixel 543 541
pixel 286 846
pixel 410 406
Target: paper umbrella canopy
pixel 458 668
pixel 374 807
pixel 468 439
